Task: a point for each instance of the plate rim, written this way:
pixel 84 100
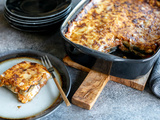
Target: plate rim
pixel 35 22
pixel 34 18
pixel 42 114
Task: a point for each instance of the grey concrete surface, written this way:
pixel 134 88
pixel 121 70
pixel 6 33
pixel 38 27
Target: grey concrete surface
pixel 116 102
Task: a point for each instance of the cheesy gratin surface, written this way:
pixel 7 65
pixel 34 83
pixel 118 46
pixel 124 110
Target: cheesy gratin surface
pixel 25 79
pixel 129 24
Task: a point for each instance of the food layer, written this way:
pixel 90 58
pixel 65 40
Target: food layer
pixel 130 25
pixel 25 79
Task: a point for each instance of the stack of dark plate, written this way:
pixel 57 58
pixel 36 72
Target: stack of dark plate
pixel 36 15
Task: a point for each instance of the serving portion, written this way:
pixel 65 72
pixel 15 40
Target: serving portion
pixel 24 66
pixel 130 25
pixel 25 79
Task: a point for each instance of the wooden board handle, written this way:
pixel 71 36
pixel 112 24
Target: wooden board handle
pixel 138 83
pixel 88 92
pixel 90 89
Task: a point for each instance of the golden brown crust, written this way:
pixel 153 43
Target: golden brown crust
pixel 23 75
pixel 25 79
pixel 104 24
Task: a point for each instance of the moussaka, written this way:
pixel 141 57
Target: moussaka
pixel 129 25
pixel 25 79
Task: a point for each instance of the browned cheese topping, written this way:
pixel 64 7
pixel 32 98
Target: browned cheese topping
pixel 25 79
pixel 129 24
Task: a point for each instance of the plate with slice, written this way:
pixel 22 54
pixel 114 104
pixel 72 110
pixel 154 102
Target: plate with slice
pixel 46 100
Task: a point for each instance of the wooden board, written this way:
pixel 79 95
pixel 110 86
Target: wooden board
pixel 88 92
pixel 90 89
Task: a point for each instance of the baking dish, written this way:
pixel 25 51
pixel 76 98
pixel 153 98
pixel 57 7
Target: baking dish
pixel 130 68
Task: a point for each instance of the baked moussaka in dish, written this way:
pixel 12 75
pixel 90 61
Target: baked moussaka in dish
pixel 129 25
pixel 25 79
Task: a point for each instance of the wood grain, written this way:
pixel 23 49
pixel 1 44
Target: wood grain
pixel 73 64
pixel 138 84
pixel 90 89
pixel 88 92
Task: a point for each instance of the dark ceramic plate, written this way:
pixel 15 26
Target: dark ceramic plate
pixel 36 9
pixel 52 26
pixel 35 22
pixel 46 101
pixel 41 18
pixel 36 26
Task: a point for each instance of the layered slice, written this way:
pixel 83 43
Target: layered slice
pixel 25 79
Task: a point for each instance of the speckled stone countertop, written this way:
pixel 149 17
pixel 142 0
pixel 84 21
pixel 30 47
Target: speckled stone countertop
pixel 116 102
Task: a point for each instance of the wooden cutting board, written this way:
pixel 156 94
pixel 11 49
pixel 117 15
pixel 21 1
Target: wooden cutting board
pixel 88 92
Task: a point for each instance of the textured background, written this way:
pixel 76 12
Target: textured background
pixel 116 102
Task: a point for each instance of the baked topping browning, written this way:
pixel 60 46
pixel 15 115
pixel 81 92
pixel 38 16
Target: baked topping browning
pixel 25 79
pixel 132 25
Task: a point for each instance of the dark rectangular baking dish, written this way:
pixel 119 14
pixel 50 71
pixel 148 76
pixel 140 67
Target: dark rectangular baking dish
pixel 130 68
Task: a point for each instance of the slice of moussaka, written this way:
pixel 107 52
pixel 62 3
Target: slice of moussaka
pixel 25 79
pixel 132 25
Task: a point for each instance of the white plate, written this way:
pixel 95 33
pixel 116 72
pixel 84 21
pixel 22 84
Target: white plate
pixel 42 102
